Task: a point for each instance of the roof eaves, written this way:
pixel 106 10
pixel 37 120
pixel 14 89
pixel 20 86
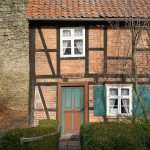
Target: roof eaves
pixel 90 19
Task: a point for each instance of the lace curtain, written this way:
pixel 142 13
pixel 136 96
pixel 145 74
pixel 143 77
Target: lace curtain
pixel 112 106
pixel 65 45
pixel 125 92
pixel 79 44
pixel 78 32
pixel 125 104
pixel 113 91
pixel 66 33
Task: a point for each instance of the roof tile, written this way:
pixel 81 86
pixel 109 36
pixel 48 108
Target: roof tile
pixel 88 8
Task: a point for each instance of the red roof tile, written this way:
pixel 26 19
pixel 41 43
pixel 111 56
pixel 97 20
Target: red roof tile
pixel 88 8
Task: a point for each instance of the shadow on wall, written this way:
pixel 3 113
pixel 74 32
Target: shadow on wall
pixel 14 91
pixel 13 102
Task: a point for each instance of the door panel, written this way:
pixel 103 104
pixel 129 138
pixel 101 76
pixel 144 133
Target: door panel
pixel 78 98
pixel 77 119
pixel 67 101
pixel 72 109
pixel 68 121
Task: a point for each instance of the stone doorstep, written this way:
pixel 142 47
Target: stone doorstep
pixel 69 145
pixel 70 137
pixel 69 142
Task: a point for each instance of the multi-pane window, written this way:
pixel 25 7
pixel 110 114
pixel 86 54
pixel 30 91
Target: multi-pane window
pixel 119 100
pixel 72 42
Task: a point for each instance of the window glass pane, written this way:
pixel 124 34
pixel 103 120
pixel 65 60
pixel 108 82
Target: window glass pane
pixel 113 91
pixel 66 33
pixel 78 46
pixel 66 43
pixel 113 109
pixel 125 106
pixel 66 51
pixel 78 32
pixel 124 91
pixel 66 47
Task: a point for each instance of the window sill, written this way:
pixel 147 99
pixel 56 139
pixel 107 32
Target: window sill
pixel 72 58
pixel 115 117
pixel 118 117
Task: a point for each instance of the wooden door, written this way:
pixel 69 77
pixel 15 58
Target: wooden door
pixel 72 109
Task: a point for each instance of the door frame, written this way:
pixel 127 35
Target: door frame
pixel 86 98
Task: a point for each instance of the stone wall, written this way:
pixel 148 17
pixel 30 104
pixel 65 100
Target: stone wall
pixel 14 54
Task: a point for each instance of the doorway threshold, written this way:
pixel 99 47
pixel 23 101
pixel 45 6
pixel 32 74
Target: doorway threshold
pixel 70 137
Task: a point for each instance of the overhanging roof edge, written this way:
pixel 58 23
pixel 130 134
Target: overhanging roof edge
pixel 88 19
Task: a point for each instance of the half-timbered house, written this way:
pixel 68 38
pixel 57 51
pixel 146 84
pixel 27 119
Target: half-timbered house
pixel 81 60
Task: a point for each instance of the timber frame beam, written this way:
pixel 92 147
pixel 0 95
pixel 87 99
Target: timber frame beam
pixel 32 79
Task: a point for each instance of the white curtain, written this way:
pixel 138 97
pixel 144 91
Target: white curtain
pixel 113 91
pixel 66 33
pixel 79 44
pixel 78 32
pixel 125 104
pixel 65 45
pixel 112 104
pixel 124 92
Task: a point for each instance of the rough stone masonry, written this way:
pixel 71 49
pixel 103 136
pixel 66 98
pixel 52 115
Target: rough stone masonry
pixel 14 54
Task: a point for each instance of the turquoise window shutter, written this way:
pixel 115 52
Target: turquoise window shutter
pixel 136 106
pixel 99 101
pixel 144 91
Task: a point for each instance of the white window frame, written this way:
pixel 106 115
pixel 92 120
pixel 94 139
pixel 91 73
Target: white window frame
pixel 119 97
pixel 72 38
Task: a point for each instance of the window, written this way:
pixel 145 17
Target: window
pixel 72 42
pixel 119 100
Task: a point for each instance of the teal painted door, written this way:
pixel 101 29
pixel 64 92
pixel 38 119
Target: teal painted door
pixel 72 109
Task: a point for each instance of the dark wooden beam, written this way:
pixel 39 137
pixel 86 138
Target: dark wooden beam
pixel 46 52
pixel 31 75
pixel 48 109
pixel 115 75
pixel 57 94
pixel 108 82
pixel 133 51
pixel 47 76
pixel 92 75
pixel 91 108
pixel 105 51
pixel 46 84
pixel 119 58
pixel 86 50
pixel 58 50
pixel 64 23
pixel 143 49
pixel 72 58
pixel 43 102
pixel 96 49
